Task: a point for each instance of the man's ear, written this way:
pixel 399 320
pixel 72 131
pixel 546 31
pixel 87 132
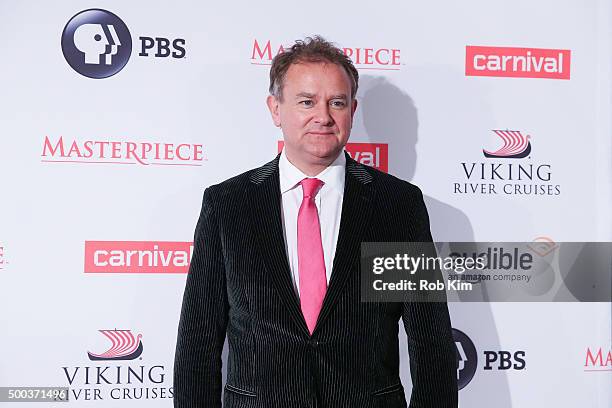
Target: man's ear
pixel 273 105
pixel 353 107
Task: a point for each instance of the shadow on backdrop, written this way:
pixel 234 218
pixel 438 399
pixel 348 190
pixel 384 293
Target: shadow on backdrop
pixel 386 114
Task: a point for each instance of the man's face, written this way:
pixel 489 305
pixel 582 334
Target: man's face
pixel 316 112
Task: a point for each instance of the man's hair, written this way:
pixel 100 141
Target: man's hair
pixel 311 49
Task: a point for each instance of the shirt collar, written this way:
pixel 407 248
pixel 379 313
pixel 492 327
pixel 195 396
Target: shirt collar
pixel 332 176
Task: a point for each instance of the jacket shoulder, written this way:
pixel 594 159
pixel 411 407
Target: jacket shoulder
pixel 237 185
pixel 392 184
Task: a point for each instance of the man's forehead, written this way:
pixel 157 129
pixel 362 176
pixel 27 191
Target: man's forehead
pixel 313 67
pixel 304 77
pixel 339 95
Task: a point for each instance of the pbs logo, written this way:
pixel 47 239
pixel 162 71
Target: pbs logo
pixel 97 44
pixel 467 358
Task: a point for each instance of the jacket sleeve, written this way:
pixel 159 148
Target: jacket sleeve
pixel 203 320
pixel 431 348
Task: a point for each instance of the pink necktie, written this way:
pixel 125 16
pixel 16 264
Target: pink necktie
pixel 311 263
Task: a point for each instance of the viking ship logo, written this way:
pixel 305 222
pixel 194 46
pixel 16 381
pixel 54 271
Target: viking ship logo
pixel 124 346
pixel 543 246
pixel 516 145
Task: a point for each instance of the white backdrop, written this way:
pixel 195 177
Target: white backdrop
pixel 416 99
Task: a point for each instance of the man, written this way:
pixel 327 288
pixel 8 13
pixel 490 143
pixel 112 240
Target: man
pixel 276 267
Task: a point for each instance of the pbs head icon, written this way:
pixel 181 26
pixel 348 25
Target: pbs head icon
pixel 96 43
pixel 467 358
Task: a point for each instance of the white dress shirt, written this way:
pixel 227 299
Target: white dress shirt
pixel 329 207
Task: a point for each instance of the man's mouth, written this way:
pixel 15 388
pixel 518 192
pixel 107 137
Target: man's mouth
pixel 318 133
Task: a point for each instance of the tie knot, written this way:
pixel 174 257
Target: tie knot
pixel 310 186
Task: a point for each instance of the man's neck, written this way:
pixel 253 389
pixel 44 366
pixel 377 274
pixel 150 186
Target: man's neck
pixel 311 169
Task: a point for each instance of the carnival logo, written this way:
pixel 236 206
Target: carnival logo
pixel 263 52
pixel 62 150
pixel 516 145
pixel 124 346
pixel 371 154
pixel 96 43
pixel 467 358
pixel 517 62
pixel 598 359
pixel 137 256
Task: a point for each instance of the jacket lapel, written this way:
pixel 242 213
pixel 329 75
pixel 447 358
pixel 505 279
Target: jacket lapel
pixel 356 212
pixel 266 219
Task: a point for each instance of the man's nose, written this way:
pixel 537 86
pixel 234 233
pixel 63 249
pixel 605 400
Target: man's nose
pixel 322 115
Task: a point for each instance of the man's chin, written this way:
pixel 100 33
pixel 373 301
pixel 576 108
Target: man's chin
pixel 326 155
pixel 316 153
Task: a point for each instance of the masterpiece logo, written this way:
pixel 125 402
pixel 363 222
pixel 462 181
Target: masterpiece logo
pixel 62 150
pixel 97 44
pixel 508 170
pixel 598 359
pixel 371 154
pixel 114 375
pixel 517 62
pixel 137 256
pixel 494 360
pixel 385 59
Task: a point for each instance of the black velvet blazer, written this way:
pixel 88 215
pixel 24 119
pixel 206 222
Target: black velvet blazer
pixel 239 285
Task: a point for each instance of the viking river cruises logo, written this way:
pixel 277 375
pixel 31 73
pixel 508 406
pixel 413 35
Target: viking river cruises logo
pixel 124 346
pixel 3 261
pixel 509 170
pixel 119 373
pixel 516 145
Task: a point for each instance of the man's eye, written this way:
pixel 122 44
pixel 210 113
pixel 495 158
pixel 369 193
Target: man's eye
pixel 306 102
pixel 338 104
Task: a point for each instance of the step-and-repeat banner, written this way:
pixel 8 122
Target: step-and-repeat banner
pixel 115 116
